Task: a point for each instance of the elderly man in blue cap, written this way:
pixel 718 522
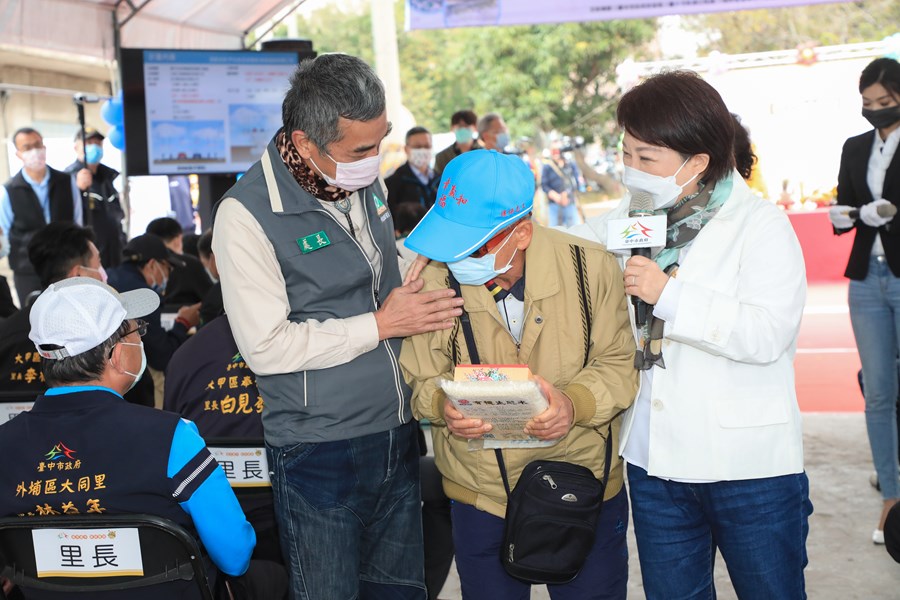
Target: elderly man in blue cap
pixel 536 297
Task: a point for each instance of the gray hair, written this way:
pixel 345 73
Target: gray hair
pixel 87 366
pixel 329 87
pixel 485 122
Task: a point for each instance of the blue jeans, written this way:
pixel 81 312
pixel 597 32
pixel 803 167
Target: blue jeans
pixel 477 536
pixel 875 315
pixel 349 516
pixel 565 216
pixel 759 525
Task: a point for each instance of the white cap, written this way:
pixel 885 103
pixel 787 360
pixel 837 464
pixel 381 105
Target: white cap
pixel 80 313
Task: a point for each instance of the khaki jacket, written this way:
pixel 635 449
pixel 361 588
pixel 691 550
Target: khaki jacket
pixel 592 366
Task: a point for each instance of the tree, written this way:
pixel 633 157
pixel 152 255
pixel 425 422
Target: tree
pixel 539 78
pixel 785 28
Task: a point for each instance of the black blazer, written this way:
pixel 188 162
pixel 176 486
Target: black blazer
pixel 853 191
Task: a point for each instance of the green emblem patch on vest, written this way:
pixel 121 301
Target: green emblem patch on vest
pixel 314 241
pixel 379 205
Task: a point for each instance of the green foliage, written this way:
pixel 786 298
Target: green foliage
pixel 785 28
pixel 539 78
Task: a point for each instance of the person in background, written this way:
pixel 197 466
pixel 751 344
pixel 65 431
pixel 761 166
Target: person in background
pixel 314 294
pixel 492 132
pixel 580 340
pixel 147 265
pixel 713 442
pixel 189 282
pixel 559 181
pixel 57 251
pixel 100 205
pixel 33 197
pixel 209 383
pixel 180 202
pixel 133 459
pixel 869 180
pixel 413 181
pixel 212 305
pixel 7 306
pixel 462 124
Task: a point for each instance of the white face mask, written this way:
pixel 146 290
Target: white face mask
pixel 663 189
pixel 137 376
pixel 352 176
pixel 101 272
pixel 35 159
pixel 420 157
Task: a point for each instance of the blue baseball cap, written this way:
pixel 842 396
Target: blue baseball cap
pixel 481 192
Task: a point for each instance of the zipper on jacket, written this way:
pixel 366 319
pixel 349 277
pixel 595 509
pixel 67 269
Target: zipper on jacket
pixel 375 298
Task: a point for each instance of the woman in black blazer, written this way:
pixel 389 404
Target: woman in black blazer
pixel 868 196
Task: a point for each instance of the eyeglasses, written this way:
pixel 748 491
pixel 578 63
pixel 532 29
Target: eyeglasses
pixel 141 329
pixel 493 242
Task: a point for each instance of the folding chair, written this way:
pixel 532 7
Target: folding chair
pixel 102 555
pixel 13 403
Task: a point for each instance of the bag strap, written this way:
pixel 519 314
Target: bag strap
pixel 466 325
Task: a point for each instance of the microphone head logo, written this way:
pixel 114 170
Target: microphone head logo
pixel 636 233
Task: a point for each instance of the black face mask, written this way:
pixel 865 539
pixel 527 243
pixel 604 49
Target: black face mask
pixel 882 118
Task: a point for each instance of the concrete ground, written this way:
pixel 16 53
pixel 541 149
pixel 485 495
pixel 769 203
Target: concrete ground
pixel 843 562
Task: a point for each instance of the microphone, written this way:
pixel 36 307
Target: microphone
pixel 641 206
pixel 885 211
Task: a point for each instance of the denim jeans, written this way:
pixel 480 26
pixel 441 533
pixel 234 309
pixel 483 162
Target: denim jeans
pixel 759 525
pixel 875 315
pixel 478 535
pixel 564 216
pixel 349 516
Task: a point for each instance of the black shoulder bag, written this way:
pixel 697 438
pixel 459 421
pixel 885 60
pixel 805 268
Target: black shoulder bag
pixel 552 514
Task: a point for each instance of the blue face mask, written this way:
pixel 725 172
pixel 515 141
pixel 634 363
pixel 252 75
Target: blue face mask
pixel 93 154
pixel 463 135
pixel 502 140
pixel 477 271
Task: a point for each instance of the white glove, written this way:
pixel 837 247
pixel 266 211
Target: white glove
pixel 868 214
pixel 839 215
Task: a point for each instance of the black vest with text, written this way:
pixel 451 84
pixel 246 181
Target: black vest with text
pixel 88 452
pixel 28 216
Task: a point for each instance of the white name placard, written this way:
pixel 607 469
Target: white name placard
pixel 8 410
pixel 87 552
pixel 636 232
pixel 244 467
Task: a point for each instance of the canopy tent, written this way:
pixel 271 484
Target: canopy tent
pixel 88 29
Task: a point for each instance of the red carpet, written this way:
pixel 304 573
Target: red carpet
pixel 827 362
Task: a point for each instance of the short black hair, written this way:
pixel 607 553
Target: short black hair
pixel 25 131
pixel 204 244
pixel 189 244
pixel 87 366
pixel 885 71
pixel 166 228
pixel 681 111
pixel 407 215
pixel 416 131
pixel 56 248
pixel 464 117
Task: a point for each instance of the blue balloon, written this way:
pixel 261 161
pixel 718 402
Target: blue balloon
pixel 112 112
pixel 116 137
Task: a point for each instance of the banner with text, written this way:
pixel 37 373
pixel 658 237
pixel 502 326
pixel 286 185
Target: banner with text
pixel 440 14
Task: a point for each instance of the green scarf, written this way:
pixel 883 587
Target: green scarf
pixel 685 220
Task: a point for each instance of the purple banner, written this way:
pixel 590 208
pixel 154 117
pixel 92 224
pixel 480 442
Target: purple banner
pixel 440 14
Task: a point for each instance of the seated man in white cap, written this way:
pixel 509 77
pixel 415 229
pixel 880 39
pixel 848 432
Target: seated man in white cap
pixel 537 297
pixel 125 458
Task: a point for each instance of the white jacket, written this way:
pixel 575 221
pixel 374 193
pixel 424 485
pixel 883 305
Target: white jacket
pixel 725 408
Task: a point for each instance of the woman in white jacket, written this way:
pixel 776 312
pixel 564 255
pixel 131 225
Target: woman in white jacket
pixel 713 441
